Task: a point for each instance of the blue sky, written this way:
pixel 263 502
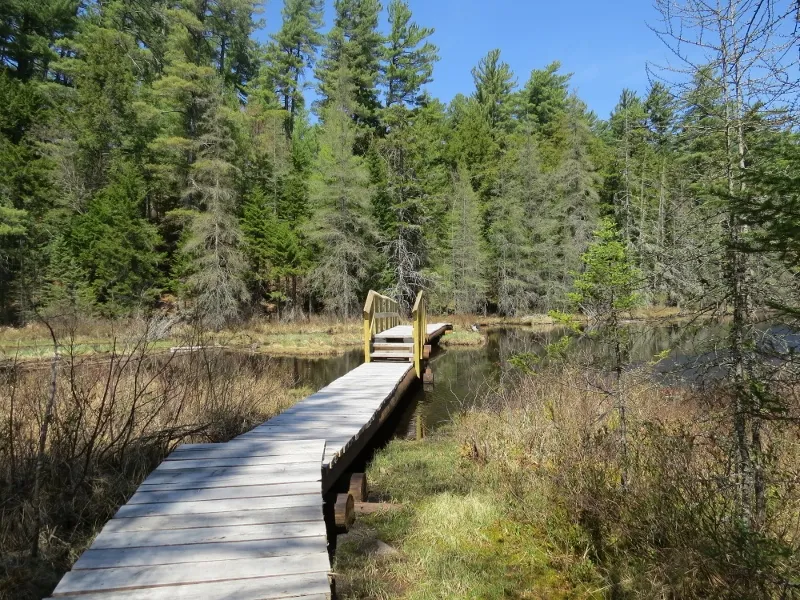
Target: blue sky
pixel 604 44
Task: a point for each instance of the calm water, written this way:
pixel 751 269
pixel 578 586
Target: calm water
pixel 462 374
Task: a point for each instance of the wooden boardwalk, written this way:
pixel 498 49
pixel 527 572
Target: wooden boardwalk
pixel 244 520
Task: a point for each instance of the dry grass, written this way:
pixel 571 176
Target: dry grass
pixel 456 537
pixel 523 497
pixel 461 337
pixel 319 336
pixel 115 419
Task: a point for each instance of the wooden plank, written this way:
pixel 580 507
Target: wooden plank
pixel 222 519
pixel 329 430
pixel 224 476
pixel 335 417
pixel 161 575
pixel 222 482
pixel 245 491
pixel 216 506
pixel 312 526
pixel 263 449
pixel 360 409
pixel 244 461
pixel 393 355
pixel 308 586
pixel 108 558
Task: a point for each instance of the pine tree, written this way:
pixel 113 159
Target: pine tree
pixel 494 83
pixel 272 247
pixel 409 66
pixel 293 50
pixel 408 59
pixel 354 44
pixel 178 101
pixel 606 292
pixel 627 125
pixel 229 25
pixel 466 261
pixel 115 247
pixel 544 98
pixel 472 140
pixel 510 243
pixel 217 267
pixel 341 226
pixel 29 32
pixel 101 125
pixel 577 181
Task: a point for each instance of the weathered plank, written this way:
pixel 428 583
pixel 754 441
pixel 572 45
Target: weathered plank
pixel 243 461
pixel 308 586
pixel 406 331
pixel 244 491
pixel 219 519
pixel 123 578
pixel 311 525
pixel 228 476
pixel 216 506
pixel 290 432
pixel 107 558
pixel 262 449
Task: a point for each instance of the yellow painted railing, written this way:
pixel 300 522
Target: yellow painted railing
pixel 380 313
pixel 419 317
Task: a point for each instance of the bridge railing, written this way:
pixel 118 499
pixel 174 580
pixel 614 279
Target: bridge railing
pixel 380 313
pixel 419 317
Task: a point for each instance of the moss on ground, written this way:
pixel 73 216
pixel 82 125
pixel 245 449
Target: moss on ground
pixel 462 337
pixel 456 535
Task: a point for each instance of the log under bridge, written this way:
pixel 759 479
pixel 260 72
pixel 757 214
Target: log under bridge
pixel 246 519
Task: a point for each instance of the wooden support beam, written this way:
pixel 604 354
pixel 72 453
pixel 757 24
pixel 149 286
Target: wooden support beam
pixel 344 511
pixel 358 487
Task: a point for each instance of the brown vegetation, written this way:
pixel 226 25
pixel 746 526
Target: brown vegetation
pixel 670 527
pixel 113 420
pixel 525 492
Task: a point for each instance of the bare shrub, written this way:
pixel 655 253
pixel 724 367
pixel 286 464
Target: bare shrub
pixel 672 530
pixel 114 419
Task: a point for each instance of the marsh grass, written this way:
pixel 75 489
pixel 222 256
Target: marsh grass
pixel 457 536
pixel 462 337
pixel 318 335
pixel 114 420
pixel 522 497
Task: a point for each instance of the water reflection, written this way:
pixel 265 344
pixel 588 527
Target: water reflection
pixel 464 374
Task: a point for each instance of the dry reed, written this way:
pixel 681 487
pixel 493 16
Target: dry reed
pixel 114 419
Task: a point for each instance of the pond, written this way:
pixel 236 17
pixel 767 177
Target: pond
pixel 463 374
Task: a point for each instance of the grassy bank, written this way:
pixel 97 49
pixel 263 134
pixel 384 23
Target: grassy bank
pixel 536 494
pixel 113 422
pixel 318 336
pixel 462 337
pixel 457 535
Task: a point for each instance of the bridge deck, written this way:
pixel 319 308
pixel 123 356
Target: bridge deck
pixel 405 332
pixel 243 519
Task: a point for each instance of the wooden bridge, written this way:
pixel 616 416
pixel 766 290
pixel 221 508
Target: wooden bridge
pixel 246 519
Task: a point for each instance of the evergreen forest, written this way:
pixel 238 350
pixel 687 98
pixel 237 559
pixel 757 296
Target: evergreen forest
pixel 152 153
pixel 208 199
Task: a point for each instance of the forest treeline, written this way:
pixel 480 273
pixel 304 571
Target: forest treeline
pixel 153 151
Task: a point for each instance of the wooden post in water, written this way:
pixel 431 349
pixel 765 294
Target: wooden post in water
pixel 420 330
pixel 369 311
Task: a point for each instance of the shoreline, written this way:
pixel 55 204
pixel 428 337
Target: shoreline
pixel 320 339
